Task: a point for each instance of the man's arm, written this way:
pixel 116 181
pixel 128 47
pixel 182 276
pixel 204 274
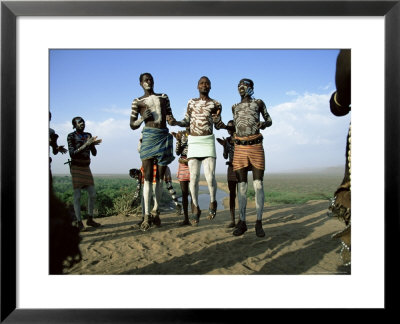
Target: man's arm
pixel 185 122
pixel 135 122
pixel 340 101
pixel 265 114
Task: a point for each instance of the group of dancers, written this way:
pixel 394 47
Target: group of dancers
pixel 195 147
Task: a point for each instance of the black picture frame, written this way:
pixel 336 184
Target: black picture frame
pixel 10 10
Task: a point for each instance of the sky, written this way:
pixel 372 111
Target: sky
pixel 296 85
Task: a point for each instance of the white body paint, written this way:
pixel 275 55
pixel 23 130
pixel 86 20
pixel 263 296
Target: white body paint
pixel 209 173
pixel 153 102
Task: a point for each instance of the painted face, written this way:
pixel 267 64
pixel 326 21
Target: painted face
pixel 245 88
pixel 147 82
pixel 204 85
pixel 80 124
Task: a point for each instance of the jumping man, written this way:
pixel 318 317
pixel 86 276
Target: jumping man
pixel 200 116
pixel 157 143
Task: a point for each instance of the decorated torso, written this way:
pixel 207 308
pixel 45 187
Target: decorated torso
pixel 199 114
pixel 159 106
pixel 246 116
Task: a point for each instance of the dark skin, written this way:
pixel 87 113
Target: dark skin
pixel 232 185
pixel 55 147
pixel 80 127
pixel 204 87
pixel 147 83
pixel 245 91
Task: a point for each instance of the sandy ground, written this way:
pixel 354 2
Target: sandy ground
pixel 297 241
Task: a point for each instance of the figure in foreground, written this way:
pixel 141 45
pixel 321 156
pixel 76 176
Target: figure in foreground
pixel 249 151
pixel 157 142
pixel 340 105
pixel 200 116
pixel 80 145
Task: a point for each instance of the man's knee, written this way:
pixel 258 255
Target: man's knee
pixel 258 185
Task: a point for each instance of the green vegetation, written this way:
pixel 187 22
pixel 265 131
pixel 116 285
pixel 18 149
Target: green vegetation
pixel 297 188
pixel 114 194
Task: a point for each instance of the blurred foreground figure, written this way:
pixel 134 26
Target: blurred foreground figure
pixel 64 238
pixel 340 105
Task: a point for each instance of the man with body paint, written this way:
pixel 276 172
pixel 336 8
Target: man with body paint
pixel 249 151
pixel 200 116
pixel 157 142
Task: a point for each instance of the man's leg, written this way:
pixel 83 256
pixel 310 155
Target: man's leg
pixel 185 201
pixel 242 200
pixel 77 206
pixel 258 176
pixel 194 169
pixel 91 200
pixel 157 197
pixel 232 185
pixel 209 173
pixel 147 192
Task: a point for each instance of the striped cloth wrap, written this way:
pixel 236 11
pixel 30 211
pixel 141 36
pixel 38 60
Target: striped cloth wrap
pixel 81 175
pixel 157 143
pixel 201 146
pixel 249 155
pixel 183 172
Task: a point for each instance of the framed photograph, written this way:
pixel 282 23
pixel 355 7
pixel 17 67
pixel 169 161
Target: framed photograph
pixel 35 32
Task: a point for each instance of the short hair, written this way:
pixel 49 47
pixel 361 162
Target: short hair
pixel 204 77
pixel 143 74
pixel 230 122
pixel 74 121
pixel 248 81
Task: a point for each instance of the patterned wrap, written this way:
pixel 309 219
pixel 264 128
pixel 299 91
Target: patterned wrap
pixel 183 172
pixel 81 176
pixel 157 143
pixel 249 155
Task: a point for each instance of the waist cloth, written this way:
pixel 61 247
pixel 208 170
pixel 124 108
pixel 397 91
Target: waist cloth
pixel 201 146
pixel 249 155
pixel 183 172
pixel 81 175
pixel 157 143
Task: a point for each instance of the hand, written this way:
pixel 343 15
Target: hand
pixel 171 120
pixel 261 125
pixel 61 149
pixel 97 141
pixel 221 141
pixel 93 140
pixel 147 114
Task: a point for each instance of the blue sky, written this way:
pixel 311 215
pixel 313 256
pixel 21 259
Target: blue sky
pixel 100 85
